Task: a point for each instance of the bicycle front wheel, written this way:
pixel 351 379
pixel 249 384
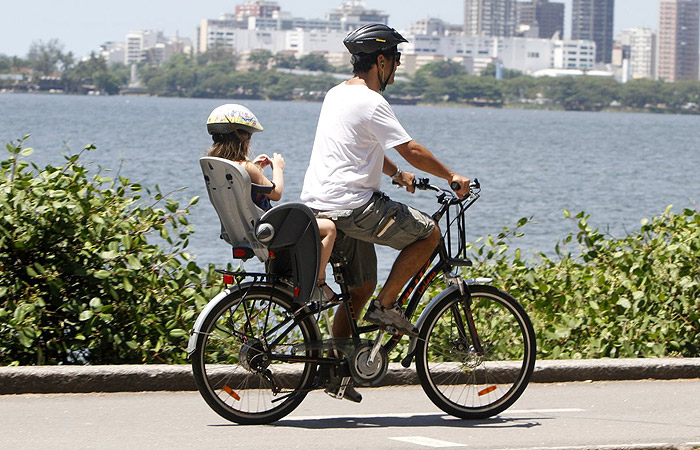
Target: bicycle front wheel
pixel 478 371
pixel 240 362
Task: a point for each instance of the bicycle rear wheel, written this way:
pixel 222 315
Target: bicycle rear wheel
pixel 469 377
pixel 236 363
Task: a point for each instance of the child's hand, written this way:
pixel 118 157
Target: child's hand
pixel 277 161
pixel 262 161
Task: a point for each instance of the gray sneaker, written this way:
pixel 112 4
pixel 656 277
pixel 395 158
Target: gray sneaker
pixel 391 317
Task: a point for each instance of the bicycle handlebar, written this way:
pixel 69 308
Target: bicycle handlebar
pixel 423 184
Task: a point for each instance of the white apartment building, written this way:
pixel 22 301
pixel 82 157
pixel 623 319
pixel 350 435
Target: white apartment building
pixel 224 32
pixel 573 54
pixel 353 14
pixel 298 41
pixel 151 46
pixel 112 52
pixel 137 43
pixel 217 33
pixel 527 55
pixel 303 42
pixel 639 47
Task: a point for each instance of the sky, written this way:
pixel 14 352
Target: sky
pixel 83 25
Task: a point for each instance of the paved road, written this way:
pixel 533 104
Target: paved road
pixel 600 415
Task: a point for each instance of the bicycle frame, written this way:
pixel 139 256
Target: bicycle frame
pixel 410 296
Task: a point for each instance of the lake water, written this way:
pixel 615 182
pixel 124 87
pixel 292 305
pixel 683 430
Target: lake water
pixel 619 168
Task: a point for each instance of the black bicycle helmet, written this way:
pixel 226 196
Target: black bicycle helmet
pixel 372 38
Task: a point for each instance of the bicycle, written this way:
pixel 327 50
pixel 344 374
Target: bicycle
pixel 256 354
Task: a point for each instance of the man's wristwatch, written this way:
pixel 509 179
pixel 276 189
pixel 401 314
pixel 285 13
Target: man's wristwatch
pixel 397 175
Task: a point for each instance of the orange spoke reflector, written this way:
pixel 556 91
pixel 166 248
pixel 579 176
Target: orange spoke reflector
pixel 233 394
pixel 488 390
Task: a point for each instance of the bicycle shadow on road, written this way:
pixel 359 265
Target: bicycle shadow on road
pixel 417 421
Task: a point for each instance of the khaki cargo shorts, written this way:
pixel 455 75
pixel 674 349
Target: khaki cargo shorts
pixel 379 221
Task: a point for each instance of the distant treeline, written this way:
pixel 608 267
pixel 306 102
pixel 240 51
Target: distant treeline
pixel 219 74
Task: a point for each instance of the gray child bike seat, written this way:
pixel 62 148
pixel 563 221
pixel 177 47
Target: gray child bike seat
pixel 285 238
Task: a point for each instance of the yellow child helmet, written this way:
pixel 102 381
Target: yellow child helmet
pixel 226 118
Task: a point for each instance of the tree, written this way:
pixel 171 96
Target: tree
pixel 261 59
pixel 583 93
pixel 522 87
pixel 95 71
pixel 221 57
pixel 285 61
pixel 478 90
pixel 45 58
pixel 5 64
pixel 315 62
pixel 684 96
pixel 640 93
pixel 441 69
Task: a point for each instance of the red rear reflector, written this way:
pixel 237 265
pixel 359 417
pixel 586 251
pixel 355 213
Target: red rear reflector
pixel 238 253
pixel 296 291
pixel 228 279
pixel 271 254
pixel 488 390
pixel 231 392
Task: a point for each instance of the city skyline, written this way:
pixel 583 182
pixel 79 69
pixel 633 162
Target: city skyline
pixel 81 29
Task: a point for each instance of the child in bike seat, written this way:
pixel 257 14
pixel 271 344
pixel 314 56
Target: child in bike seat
pixel 231 127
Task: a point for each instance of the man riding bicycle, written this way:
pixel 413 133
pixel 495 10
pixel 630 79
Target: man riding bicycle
pixel 355 127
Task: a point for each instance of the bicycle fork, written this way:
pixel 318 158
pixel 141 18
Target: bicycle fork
pixel 467 332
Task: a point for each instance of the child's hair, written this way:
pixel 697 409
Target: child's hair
pixel 232 146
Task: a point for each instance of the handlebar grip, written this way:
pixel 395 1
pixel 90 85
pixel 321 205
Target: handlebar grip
pixel 473 185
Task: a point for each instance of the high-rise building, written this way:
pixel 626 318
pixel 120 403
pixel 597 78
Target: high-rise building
pixel 593 19
pixel 678 40
pixel 489 17
pixel 354 13
pixel 638 45
pixel 137 45
pixel 547 16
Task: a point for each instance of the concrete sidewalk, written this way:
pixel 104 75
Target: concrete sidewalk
pixel 135 378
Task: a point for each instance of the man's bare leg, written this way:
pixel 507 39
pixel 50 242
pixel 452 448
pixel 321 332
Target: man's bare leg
pixel 359 297
pixel 409 261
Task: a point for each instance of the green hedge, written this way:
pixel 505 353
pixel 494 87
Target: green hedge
pixel 93 270
pixel 636 296
pixel 88 272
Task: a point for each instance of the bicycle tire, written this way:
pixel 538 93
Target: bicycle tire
pixel 458 379
pixel 229 365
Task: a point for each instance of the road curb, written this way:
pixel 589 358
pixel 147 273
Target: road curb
pixel 158 377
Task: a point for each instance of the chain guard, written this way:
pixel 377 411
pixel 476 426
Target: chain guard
pixel 363 372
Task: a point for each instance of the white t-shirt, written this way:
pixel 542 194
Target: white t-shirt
pixel 355 127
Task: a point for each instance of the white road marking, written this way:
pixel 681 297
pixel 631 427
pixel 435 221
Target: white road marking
pixel 426 442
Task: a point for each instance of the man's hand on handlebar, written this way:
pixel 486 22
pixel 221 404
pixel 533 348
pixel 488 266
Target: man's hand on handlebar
pixel 407 180
pixel 460 185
